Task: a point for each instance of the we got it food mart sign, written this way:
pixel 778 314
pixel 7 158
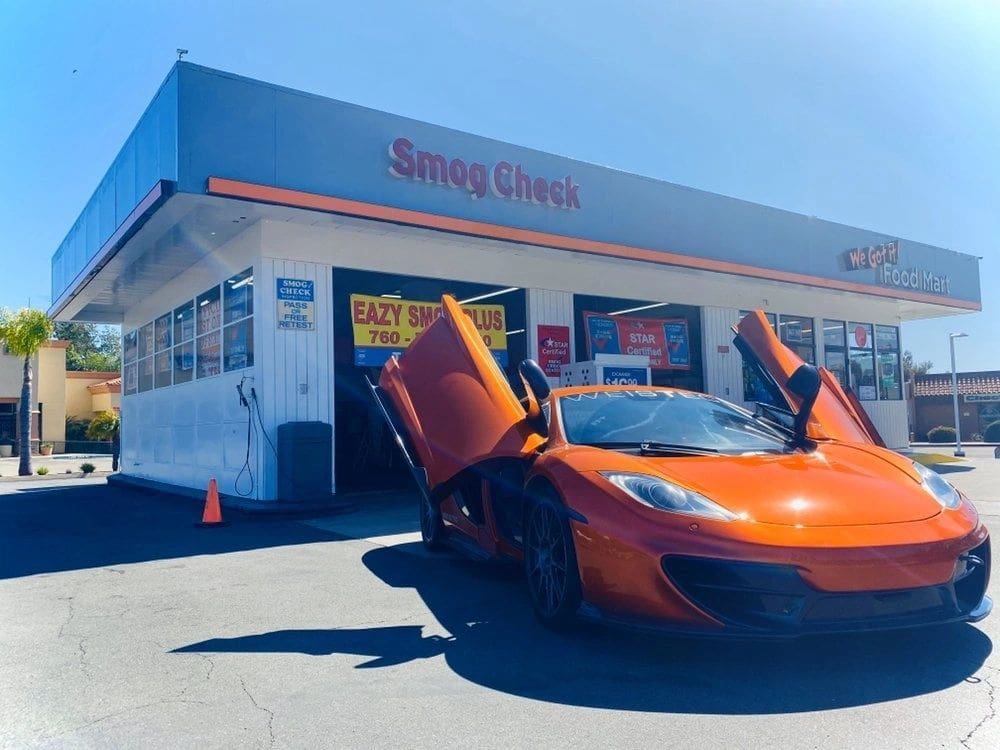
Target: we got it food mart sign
pixel 296 305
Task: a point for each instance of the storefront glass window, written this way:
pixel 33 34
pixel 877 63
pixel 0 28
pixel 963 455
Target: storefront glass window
pixel 237 342
pixel 162 331
pixel 146 340
pixel 753 388
pixel 890 387
pixel 131 377
pixel 130 346
pixel 161 367
pixel 184 323
pixel 238 296
pixel 184 362
pixel 862 360
pixel 835 349
pixel 796 332
pixel 145 374
pixel 209 355
pixel 209 309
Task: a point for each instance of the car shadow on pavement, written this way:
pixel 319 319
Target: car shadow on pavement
pixel 496 642
pixel 54 529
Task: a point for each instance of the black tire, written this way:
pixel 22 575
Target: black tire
pixel 550 566
pixel 431 526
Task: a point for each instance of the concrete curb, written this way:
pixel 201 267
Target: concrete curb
pixel 271 509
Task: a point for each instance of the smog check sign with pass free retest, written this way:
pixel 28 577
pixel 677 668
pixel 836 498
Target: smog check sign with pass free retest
pixel 296 305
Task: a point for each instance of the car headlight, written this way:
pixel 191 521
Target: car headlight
pixel 663 495
pixel 941 490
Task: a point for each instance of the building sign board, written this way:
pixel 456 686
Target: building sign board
pixel 386 326
pixel 664 341
pixel 982 398
pixel 503 179
pixel 553 348
pixel 886 261
pixel 296 304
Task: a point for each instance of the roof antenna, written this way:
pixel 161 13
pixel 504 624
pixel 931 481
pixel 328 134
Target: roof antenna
pixel 181 53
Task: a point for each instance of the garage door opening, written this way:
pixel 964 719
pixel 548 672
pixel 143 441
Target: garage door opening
pixel 376 314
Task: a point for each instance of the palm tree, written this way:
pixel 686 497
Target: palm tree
pixel 23 333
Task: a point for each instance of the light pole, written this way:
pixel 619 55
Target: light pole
pixel 954 394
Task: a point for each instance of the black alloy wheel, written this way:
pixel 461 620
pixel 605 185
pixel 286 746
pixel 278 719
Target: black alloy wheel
pixel 550 564
pixel 431 525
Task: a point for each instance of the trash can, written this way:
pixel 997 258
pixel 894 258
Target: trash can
pixel 305 461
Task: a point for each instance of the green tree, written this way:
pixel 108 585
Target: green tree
pixel 91 347
pixel 911 368
pixel 23 333
pixel 103 426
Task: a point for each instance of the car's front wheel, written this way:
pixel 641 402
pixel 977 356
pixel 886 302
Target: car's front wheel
pixel 550 563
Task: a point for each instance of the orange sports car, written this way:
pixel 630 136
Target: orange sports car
pixel 665 508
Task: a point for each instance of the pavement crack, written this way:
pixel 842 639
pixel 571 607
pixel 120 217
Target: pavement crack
pixel 211 668
pixel 990 714
pixel 69 614
pixel 269 712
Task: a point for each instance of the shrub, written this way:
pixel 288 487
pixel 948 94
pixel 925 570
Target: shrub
pixel 68 471
pixel 42 471
pixel 941 434
pixel 103 426
pixel 76 429
pixel 87 468
pixel 992 432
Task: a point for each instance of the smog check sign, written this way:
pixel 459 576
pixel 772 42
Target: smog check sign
pixel 296 305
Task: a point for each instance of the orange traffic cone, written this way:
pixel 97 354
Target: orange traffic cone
pixel 212 515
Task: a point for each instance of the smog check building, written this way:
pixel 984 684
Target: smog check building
pixel 256 236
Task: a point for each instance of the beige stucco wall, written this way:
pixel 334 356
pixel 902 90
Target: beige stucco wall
pixel 50 374
pixel 106 402
pixel 80 401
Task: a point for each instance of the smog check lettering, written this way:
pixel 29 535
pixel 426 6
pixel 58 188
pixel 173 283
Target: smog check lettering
pixel 503 180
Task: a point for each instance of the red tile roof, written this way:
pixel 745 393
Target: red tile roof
pixel 969 383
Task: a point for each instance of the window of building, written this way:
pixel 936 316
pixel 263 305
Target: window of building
pixel 861 359
pixel 162 339
pixel 796 332
pixel 198 339
pixel 208 351
pixel 835 349
pixel 237 336
pixel 754 388
pixel 890 386
pixel 183 359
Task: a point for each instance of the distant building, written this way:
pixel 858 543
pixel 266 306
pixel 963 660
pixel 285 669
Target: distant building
pixel 978 402
pixel 56 395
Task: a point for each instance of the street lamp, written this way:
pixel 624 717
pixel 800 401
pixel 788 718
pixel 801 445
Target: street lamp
pixel 954 393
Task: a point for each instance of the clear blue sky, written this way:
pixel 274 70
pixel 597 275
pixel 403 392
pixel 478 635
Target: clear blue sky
pixel 876 114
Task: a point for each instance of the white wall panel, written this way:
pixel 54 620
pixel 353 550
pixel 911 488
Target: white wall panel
pixel 549 307
pixel 889 418
pixel 295 377
pixel 181 434
pixel 722 364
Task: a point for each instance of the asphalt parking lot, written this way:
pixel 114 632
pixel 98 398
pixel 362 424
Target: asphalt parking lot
pixel 124 626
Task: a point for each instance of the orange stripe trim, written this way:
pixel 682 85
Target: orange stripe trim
pixel 299 199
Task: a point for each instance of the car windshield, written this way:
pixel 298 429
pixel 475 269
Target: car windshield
pixel 674 419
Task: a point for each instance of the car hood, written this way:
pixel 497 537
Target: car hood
pixel 835 485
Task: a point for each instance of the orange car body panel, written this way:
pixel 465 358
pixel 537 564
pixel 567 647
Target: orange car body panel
pixel 454 399
pixel 832 416
pixel 849 516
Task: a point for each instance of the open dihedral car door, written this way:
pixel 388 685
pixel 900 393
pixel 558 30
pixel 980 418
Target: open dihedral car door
pixel 835 415
pixel 453 400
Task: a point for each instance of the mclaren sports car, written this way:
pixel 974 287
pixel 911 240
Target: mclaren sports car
pixel 674 510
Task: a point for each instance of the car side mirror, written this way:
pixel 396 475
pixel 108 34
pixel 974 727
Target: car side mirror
pixel 537 388
pixel 804 383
